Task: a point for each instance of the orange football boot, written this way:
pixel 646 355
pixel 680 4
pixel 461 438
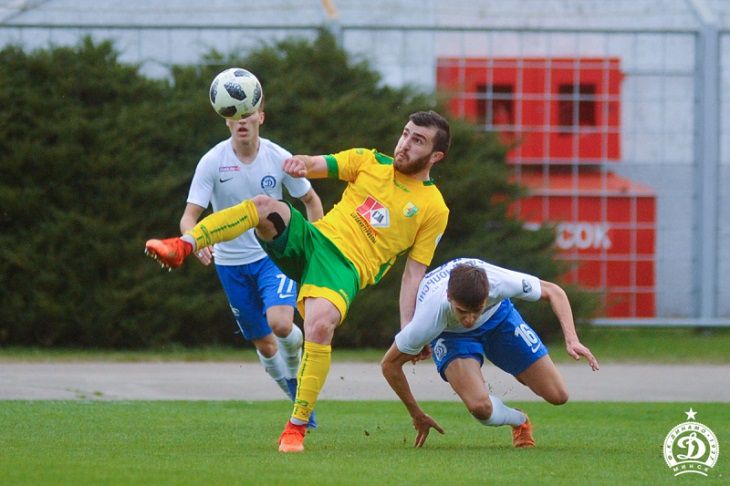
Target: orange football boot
pixel 169 253
pixel 522 434
pixel 292 439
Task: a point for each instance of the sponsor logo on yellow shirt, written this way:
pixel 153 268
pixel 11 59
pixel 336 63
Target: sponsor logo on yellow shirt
pixel 374 213
pixel 370 233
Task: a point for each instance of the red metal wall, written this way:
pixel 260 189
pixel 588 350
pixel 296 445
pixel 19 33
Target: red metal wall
pixel 562 118
pixel 606 228
pixel 559 110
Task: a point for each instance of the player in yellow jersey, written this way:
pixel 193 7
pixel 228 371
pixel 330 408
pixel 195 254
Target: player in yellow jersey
pixel 390 207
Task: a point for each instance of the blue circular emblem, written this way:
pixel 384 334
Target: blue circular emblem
pixel 268 183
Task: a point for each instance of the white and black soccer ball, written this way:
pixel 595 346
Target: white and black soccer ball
pixel 235 93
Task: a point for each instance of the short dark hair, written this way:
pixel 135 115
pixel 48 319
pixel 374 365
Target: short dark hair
pixel 468 285
pixel 442 140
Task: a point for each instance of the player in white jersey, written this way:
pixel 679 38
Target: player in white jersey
pixel 261 297
pixel 463 311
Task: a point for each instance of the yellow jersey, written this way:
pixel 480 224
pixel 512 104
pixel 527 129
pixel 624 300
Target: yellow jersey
pixel 382 214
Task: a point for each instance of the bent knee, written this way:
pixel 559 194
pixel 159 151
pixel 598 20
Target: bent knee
pixel 320 325
pixel 264 204
pixel 267 346
pixel 273 217
pixel 280 327
pixel 320 330
pixel 481 410
pixel 261 200
pixel 557 397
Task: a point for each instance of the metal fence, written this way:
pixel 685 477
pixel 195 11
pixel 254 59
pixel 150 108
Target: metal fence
pixel 639 165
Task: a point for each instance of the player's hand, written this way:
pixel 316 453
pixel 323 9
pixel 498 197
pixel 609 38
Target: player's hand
pixel 424 354
pixel 423 425
pixel 295 167
pixel 205 255
pixel 576 350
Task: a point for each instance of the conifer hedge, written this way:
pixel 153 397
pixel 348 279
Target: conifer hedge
pixel 96 158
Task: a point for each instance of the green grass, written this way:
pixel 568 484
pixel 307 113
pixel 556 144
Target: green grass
pixel 94 442
pixel 657 345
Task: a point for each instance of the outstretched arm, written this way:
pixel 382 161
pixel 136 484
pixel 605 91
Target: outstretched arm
pixel 412 276
pixel 392 368
pixel 561 307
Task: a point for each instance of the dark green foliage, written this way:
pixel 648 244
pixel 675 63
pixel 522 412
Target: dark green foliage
pixel 96 158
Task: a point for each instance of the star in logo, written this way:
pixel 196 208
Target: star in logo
pixel 691 447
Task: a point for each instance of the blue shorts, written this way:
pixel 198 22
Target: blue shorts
pixel 506 340
pixel 253 288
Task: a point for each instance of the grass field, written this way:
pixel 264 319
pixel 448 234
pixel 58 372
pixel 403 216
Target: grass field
pixel 357 443
pixel 227 442
pixel 658 345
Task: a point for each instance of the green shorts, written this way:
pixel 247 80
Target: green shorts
pixel 305 255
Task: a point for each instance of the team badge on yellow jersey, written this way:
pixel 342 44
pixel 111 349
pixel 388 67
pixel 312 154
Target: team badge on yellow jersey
pixel 410 210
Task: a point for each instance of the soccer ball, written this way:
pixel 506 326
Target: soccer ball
pixel 235 93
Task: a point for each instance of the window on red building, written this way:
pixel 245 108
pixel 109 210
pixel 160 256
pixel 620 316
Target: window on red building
pixel 496 107
pixel 496 110
pixel 553 111
pixel 576 106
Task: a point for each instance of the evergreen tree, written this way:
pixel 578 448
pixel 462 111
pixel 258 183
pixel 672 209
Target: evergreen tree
pixel 318 101
pixel 96 158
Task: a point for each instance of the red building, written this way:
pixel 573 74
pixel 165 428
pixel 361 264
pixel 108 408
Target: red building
pixel 562 118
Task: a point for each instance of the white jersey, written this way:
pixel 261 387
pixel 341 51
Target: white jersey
pixel 222 180
pixel 433 314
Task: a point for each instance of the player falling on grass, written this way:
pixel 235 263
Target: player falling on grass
pixel 261 297
pixel 390 207
pixel 464 312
